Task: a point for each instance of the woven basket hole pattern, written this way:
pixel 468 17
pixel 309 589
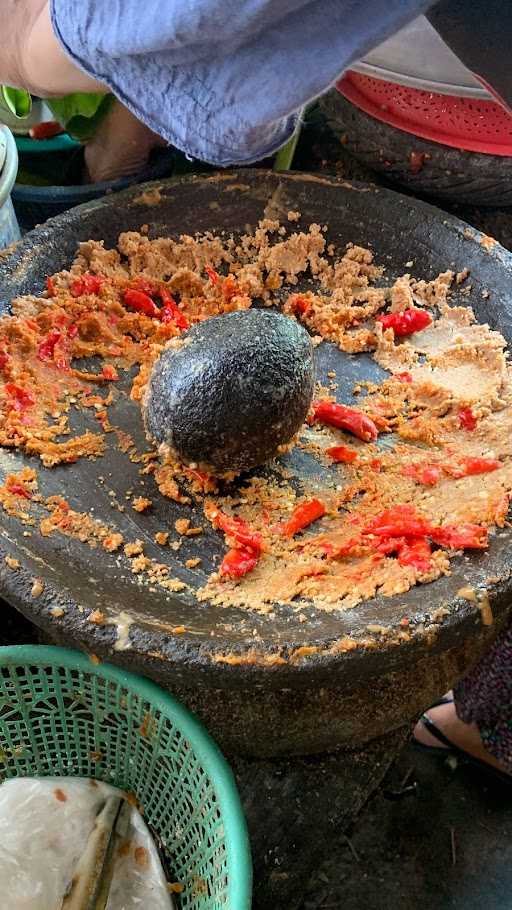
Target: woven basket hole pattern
pixel 57 721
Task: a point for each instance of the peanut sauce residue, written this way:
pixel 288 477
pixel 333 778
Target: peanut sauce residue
pixel 391 513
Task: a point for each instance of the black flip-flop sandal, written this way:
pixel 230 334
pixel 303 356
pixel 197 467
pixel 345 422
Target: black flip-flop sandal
pixel 453 749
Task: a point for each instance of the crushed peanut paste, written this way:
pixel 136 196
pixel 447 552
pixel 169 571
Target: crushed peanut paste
pixel 416 471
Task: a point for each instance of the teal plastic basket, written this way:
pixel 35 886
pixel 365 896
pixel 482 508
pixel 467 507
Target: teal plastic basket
pixel 63 715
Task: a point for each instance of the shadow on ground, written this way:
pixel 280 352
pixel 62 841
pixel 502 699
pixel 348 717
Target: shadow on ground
pixel 445 845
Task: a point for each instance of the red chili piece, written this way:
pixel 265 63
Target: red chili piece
pixel 72 330
pixel 406 322
pixel 404 377
pixel 109 372
pixel 229 288
pixel 4 359
pixel 212 274
pixel 239 562
pixel 410 551
pixel 416 553
pixel 299 304
pixel 470 466
pixel 467 419
pixel 337 415
pixel 46 130
pixel 244 555
pixel 17 489
pixel 342 454
pixel 238 529
pixel 171 312
pixel 424 473
pixel 400 521
pixel 302 516
pixel 140 302
pixel 86 284
pixel 403 532
pixel 46 349
pixel 461 537
pixel 22 398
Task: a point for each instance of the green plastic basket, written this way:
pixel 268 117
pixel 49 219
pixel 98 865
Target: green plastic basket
pixel 60 714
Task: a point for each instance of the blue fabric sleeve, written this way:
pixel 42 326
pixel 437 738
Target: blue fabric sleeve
pixel 223 80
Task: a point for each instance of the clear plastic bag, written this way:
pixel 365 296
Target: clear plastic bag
pixel 52 831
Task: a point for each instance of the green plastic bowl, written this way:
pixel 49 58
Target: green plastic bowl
pixel 62 715
pixel 61 143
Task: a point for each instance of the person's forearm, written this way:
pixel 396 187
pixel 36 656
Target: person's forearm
pixel 32 58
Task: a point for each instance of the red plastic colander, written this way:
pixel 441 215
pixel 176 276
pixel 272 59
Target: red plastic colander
pixel 473 124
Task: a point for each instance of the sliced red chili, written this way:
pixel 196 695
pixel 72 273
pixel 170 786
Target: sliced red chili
pixel 338 415
pixel 140 302
pixel 302 516
pixel 400 521
pixel 46 130
pixel 467 419
pixel 299 304
pixel 17 489
pixel 405 376
pixel 72 330
pixel 46 349
pixel 229 288
pixel 389 545
pixel 4 359
pixel 469 466
pixel 480 465
pixel 342 454
pixel 461 537
pixel 406 322
pixel 212 274
pixel 416 553
pixel 238 562
pixel 236 528
pixel 428 474
pixel 171 312
pixel 21 398
pixel 109 372
pixel 86 284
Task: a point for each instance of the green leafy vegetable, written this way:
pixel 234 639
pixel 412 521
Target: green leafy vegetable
pixel 80 114
pixel 17 101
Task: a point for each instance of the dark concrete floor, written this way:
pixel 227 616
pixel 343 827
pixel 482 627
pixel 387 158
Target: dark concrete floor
pixel 445 846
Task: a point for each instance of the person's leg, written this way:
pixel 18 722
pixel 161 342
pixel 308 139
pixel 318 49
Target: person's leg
pixel 479 721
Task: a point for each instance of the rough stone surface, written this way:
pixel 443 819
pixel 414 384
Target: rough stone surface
pixel 238 387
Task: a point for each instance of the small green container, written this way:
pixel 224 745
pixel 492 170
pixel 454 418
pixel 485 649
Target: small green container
pixel 63 715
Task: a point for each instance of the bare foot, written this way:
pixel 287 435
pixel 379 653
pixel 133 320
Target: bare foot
pixel 120 147
pixel 465 736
